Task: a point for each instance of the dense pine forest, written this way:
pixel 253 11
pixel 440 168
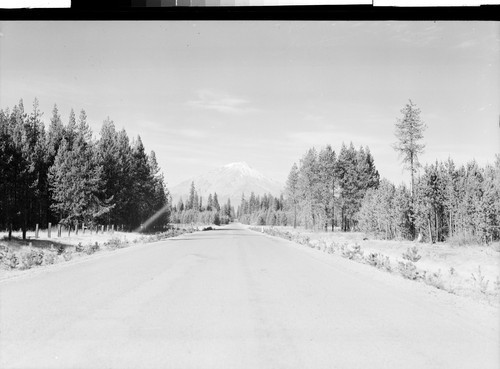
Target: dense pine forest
pixel 445 201
pixel 196 211
pixel 62 175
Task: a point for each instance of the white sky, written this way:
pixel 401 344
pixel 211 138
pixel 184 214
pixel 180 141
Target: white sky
pixel 203 94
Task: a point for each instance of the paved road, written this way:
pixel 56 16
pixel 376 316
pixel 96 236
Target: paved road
pixel 233 298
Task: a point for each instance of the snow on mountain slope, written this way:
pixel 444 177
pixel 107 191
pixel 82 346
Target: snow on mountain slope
pixel 229 181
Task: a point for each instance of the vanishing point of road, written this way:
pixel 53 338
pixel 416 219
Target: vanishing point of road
pixel 233 298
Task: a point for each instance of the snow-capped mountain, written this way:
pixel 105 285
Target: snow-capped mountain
pixel 229 181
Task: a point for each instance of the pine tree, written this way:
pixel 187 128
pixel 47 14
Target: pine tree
pixel 74 179
pixel 347 174
pixel 142 185
pixel 159 196
pixel 327 161
pixel 70 130
pixel 192 195
pixel 216 205
pixel 209 202
pixel 308 187
pixel 55 134
pixel 409 133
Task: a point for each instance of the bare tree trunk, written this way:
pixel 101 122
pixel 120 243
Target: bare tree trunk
pixel 450 231
pixel 294 216
pixel 430 229
pixel 342 220
pixel 25 223
pixel 333 207
pixel 437 225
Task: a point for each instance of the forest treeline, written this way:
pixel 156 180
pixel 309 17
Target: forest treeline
pixel 443 202
pixel 458 203
pixel 324 191
pixel 461 204
pixel 195 211
pixel 63 175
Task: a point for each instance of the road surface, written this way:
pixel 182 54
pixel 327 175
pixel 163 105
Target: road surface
pixel 234 298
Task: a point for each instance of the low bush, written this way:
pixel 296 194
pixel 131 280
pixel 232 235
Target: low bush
pixel 60 248
pixel 30 258
pixel 330 248
pixel 379 261
pixel 90 249
pixel 68 255
pixel 435 280
pixel 79 247
pixel 351 252
pixel 409 271
pixel 113 243
pixel 412 255
pixel 480 281
pixel 10 259
pixel 49 257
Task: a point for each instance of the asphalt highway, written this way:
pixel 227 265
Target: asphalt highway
pixel 233 298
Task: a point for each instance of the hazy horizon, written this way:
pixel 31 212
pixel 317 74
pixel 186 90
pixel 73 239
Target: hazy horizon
pixel 204 94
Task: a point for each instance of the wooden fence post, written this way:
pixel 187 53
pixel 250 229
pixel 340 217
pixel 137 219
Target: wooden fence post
pixel 59 230
pixel 49 229
pixel 76 227
pixel 36 231
pixel 102 229
pixel 69 229
pixel 83 227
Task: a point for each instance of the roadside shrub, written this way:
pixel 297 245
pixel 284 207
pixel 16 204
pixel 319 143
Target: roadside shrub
pixel 113 243
pixel 79 247
pixel 26 260
pixel 60 248
pixel 3 252
pixel 351 253
pixel 30 258
pixel 68 255
pixel 322 245
pixel 331 248
pixel 412 255
pixel 480 281
pixel 10 259
pixel 379 261
pixel 435 280
pixel 49 257
pixel 90 249
pixel 372 259
pixel 409 271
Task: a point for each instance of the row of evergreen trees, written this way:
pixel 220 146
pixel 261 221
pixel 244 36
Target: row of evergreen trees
pixel 326 190
pixel 62 175
pixel 267 209
pixel 443 202
pixel 461 204
pixel 193 210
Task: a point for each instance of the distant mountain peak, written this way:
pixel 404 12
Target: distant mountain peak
pixel 229 181
pixel 238 165
pixel 243 169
